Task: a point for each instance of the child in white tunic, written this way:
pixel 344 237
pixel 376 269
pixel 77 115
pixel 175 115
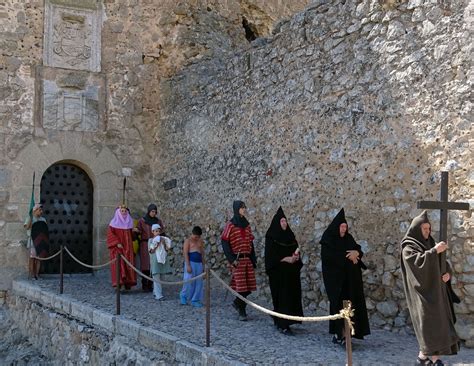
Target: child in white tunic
pixel 157 246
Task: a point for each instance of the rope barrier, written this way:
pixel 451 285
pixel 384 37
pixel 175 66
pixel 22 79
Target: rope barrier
pixel 48 258
pixel 160 281
pixel 88 265
pixel 343 314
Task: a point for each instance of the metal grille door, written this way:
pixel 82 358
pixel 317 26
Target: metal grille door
pixel 67 197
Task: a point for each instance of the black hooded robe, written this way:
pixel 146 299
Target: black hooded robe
pixel 284 278
pixel 429 299
pixel 342 278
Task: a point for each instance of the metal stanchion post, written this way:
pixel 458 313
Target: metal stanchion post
pixel 61 270
pixel 117 282
pixel 208 307
pixel 347 329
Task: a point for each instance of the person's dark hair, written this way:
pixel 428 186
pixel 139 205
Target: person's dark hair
pixel 197 230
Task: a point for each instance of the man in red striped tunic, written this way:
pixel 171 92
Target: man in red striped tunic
pixel 237 243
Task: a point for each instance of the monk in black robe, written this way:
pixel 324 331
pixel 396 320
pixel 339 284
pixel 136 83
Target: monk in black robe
pixel 341 264
pixel 429 298
pixel 283 266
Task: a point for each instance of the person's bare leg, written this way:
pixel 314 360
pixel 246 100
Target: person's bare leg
pixel 422 356
pixel 37 267
pixel 31 267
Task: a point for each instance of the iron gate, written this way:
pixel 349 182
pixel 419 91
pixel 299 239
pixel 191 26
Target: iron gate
pixel 67 197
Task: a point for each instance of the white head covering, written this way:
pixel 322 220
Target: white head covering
pixel 155 227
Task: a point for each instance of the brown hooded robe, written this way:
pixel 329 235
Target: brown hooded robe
pixel 427 295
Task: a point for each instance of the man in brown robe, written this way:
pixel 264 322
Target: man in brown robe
pixel 429 301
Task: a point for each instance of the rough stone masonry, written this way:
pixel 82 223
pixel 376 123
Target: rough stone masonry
pixel 354 104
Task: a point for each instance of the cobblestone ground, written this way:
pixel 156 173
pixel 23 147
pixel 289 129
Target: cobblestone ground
pixel 253 342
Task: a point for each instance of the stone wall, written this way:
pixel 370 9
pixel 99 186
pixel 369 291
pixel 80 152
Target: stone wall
pixel 60 338
pixel 354 104
pixel 80 82
pixel 349 104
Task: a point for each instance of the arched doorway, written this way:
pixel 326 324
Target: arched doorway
pixel 67 198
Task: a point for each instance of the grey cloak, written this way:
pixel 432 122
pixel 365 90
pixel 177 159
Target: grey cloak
pixel 428 299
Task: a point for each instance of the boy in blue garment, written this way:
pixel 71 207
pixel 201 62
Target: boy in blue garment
pixel 193 253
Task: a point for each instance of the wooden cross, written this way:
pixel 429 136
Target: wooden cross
pixel 443 206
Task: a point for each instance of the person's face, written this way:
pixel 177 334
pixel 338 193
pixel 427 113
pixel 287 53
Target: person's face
pixel 152 213
pixel 283 223
pixel 195 236
pixel 38 212
pixel 156 232
pixel 342 229
pixel 425 230
pixel 123 211
pixel 242 211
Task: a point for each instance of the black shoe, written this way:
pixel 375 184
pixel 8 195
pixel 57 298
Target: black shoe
pixel 425 361
pixel 236 306
pixel 438 363
pixel 339 341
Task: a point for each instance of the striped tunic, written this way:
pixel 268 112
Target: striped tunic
pixel 241 243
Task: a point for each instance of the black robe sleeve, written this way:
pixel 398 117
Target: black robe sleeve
pixel 253 257
pixel 231 257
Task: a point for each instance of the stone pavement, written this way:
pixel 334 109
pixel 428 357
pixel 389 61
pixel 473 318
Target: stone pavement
pixel 255 342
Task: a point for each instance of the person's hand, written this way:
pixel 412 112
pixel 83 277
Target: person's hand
pixel 353 256
pixel 446 277
pixel 189 269
pixel 119 246
pixel 290 260
pixel 135 230
pixel 296 257
pixel 441 247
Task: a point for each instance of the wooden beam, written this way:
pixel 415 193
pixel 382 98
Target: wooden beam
pixel 439 205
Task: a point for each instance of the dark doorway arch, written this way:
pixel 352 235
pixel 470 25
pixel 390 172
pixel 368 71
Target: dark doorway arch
pixel 67 198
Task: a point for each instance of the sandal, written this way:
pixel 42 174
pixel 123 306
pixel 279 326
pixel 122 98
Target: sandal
pixel 339 341
pixel 424 361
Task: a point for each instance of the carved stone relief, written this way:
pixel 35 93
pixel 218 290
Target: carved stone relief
pixel 72 36
pixel 72 100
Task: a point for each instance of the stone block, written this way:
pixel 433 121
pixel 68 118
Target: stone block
pixel 109 197
pixel 47 298
pixel 157 341
pixel 62 304
pixel 5 176
pixel 127 328
pixel 72 35
pixel 81 311
pixel 33 159
pixel 14 231
pixel 387 308
pixel 70 109
pixel 33 293
pixel 469 289
pixel 20 194
pixel 4 196
pixel 103 320
pixel 106 162
pixel 189 353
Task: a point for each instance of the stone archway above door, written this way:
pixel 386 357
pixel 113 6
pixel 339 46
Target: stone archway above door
pixel 101 165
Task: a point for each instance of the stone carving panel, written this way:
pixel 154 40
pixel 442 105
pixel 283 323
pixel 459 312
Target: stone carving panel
pixel 72 35
pixel 72 101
